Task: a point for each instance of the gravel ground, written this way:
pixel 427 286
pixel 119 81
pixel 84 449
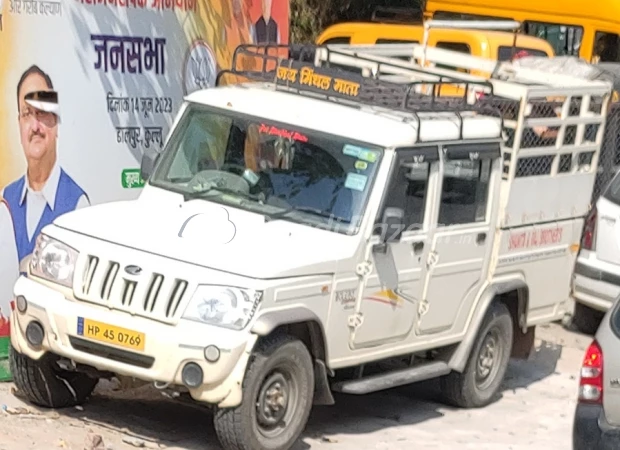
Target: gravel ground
pixel 535 412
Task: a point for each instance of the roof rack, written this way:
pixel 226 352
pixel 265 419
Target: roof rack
pixel 299 69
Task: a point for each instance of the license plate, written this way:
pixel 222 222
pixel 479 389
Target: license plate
pixel 110 334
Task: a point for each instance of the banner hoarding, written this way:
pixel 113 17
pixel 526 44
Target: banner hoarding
pixel 120 69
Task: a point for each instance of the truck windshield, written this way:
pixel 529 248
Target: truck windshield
pixel 278 170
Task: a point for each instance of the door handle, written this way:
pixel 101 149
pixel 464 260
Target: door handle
pixel 481 238
pixel 418 248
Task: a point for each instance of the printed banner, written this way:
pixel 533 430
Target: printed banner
pixel 101 83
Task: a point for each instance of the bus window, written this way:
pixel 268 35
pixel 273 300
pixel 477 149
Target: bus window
pixel 396 41
pixel 505 52
pixel 338 40
pixel 455 47
pixel 565 39
pixel 446 15
pixel 605 47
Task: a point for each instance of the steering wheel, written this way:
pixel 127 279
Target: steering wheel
pixel 207 179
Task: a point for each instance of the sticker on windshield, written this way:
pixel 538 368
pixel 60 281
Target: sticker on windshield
pixel 352 150
pixel 355 181
pixel 368 155
pixel 361 165
pixel 360 153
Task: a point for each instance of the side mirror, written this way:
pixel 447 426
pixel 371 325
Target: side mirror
pixel 149 160
pixel 393 224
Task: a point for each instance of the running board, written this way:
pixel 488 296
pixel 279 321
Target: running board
pixel 401 377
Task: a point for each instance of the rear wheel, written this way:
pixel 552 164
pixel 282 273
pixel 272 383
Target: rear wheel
pixel 45 384
pixel 586 319
pixel 277 398
pixel 484 372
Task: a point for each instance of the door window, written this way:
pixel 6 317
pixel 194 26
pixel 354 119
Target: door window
pixel 465 187
pixel 565 39
pixel 408 188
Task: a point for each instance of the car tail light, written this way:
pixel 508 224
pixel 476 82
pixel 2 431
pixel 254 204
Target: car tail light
pixel 591 376
pixel 589 232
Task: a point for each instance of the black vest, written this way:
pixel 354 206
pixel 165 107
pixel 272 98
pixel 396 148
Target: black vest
pixel 266 33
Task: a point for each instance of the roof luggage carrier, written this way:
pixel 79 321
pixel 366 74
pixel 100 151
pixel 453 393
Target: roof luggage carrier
pixel 545 178
pixel 297 68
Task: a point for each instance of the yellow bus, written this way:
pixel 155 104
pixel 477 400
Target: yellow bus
pixel 573 27
pixel 496 45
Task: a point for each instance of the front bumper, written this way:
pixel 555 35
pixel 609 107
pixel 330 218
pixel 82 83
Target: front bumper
pixel 167 348
pixel 591 431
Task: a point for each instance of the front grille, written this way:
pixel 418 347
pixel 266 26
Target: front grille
pixel 147 294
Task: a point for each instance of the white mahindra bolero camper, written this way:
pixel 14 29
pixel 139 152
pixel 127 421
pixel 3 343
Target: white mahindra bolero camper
pixel 316 230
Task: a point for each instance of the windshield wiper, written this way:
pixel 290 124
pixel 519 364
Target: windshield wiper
pixel 306 209
pixel 224 190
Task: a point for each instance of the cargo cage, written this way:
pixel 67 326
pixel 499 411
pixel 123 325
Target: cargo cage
pixel 544 179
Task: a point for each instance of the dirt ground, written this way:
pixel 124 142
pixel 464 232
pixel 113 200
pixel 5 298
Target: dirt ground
pixel 535 412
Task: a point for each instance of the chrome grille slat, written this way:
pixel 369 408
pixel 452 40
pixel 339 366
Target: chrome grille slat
pixel 153 292
pixel 108 280
pixel 149 294
pixel 89 273
pixel 178 292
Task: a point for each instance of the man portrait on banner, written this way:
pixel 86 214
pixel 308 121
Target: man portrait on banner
pixel 265 30
pixel 45 191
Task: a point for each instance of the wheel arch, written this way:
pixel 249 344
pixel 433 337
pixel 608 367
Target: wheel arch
pixel 304 324
pixel 514 293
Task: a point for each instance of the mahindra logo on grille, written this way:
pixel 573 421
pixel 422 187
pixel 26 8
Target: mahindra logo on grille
pixel 133 270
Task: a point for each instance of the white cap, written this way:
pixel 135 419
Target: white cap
pixel 44 100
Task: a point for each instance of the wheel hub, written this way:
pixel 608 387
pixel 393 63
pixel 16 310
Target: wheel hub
pixel 273 400
pixel 487 358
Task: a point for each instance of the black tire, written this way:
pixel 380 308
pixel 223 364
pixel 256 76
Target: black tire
pixel 45 384
pixel 586 320
pixel 465 390
pixel 279 358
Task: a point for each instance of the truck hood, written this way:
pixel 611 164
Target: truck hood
pixel 215 236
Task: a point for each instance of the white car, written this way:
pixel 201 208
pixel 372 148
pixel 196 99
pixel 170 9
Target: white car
pixel 596 280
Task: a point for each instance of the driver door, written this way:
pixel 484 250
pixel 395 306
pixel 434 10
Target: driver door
pixel 390 300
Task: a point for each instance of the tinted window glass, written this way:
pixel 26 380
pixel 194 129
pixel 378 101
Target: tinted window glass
pixel 505 53
pixel 605 48
pixel 338 40
pixel 612 193
pixel 465 191
pixel 408 191
pixel 565 39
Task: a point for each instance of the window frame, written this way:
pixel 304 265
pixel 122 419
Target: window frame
pixel 528 22
pixel 403 155
pixel 469 152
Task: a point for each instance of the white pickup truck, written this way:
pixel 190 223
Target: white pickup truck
pixel 317 230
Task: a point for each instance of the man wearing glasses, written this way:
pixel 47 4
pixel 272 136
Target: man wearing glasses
pixel 45 191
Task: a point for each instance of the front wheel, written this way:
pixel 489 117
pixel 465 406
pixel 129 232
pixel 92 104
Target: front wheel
pixel 277 398
pixel 487 363
pixel 45 384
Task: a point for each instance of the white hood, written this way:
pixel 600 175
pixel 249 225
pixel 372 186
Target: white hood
pixel 215 236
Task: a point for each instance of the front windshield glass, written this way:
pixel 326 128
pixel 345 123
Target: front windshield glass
pixel 281 171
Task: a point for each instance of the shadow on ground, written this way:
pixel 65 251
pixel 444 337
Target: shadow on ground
pixel 151 417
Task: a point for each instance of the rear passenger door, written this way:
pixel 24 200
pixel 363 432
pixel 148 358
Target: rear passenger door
pixel 462 235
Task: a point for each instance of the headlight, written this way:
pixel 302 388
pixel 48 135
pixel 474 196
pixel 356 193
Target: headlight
pixel 53 261
pixel 223 306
